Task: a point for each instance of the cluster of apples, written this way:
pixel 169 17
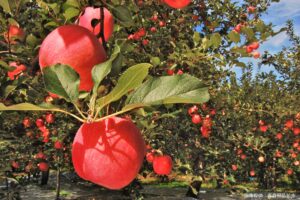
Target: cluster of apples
pixel 49 118
pixel 40 159
pixel 162 164
pixel 251 48
pixel 177 4
pixel 12 36
pixel 206 121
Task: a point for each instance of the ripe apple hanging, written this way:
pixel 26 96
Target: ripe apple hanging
pixel 109 153
pixel 91 13
pixel 75 46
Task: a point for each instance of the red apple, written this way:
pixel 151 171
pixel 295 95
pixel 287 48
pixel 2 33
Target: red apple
pixel 150 157
pixel 40 155
pixel 196 119
pixel 58 145
pixel 15 164
pixel 142 32
pixel 289 172
pixel 170 72
pixel 39 122
pixel 243 156
pixel 234 167
pixel 74 46
pixel 289 123
pixel 17 71
pixel 207 122
pixel 162 165
pixel 26 122
pixel 162 23
pixel 91 13
pixel 212 112
pixel 252 173
pixel 251 9
pixel 296 130
pixel 49 118
pixel 178 4
pixel 256 54
pixel 179 72
pixel 205 131
pixel 238 28
pixel 249 49
pixel 279 136
pixel 43 166
pixel 278 154
pixel 14 33
pixel 254 45
pixel 109 152
pixel 145 42
pixel 263 128
pixel 154 18
pixel 193 110
pixel 153 29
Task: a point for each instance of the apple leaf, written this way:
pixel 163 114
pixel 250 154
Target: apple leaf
pixel 168 90
pixel 29 107
pixel 32 107
pixel 216 40
pixel 234 37
pixel 123 15
pixel 63 81
pixel 130 79
pixel 103 69
pixel 71 12
pixel 5 5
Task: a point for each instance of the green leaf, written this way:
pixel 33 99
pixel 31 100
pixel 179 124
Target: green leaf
pixel 5 5
pixel 63 81
pixel 196 37
pixel 234 37
pixel 71 12
pixel 29 107
pixel 72 3
pixel 5 66
pixel 168 90
pixel 123 15
pixel 215 40
pixel 249 32
pixel 32 107
pixel 103 69
pixel 10 88
pixel 131 79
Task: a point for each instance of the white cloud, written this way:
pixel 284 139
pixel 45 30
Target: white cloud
pixel 286 9
pixel 276 41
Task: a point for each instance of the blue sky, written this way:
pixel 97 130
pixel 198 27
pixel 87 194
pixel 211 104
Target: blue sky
pixel 278 14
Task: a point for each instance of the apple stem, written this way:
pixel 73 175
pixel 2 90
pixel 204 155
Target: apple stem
pixel 79 111
pixel 101 33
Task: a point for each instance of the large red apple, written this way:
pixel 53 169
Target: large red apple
pixel 177 3
pixel 14 33
pixel 109 153
pixel 91 13
pixel 162 165
pixel 75 46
